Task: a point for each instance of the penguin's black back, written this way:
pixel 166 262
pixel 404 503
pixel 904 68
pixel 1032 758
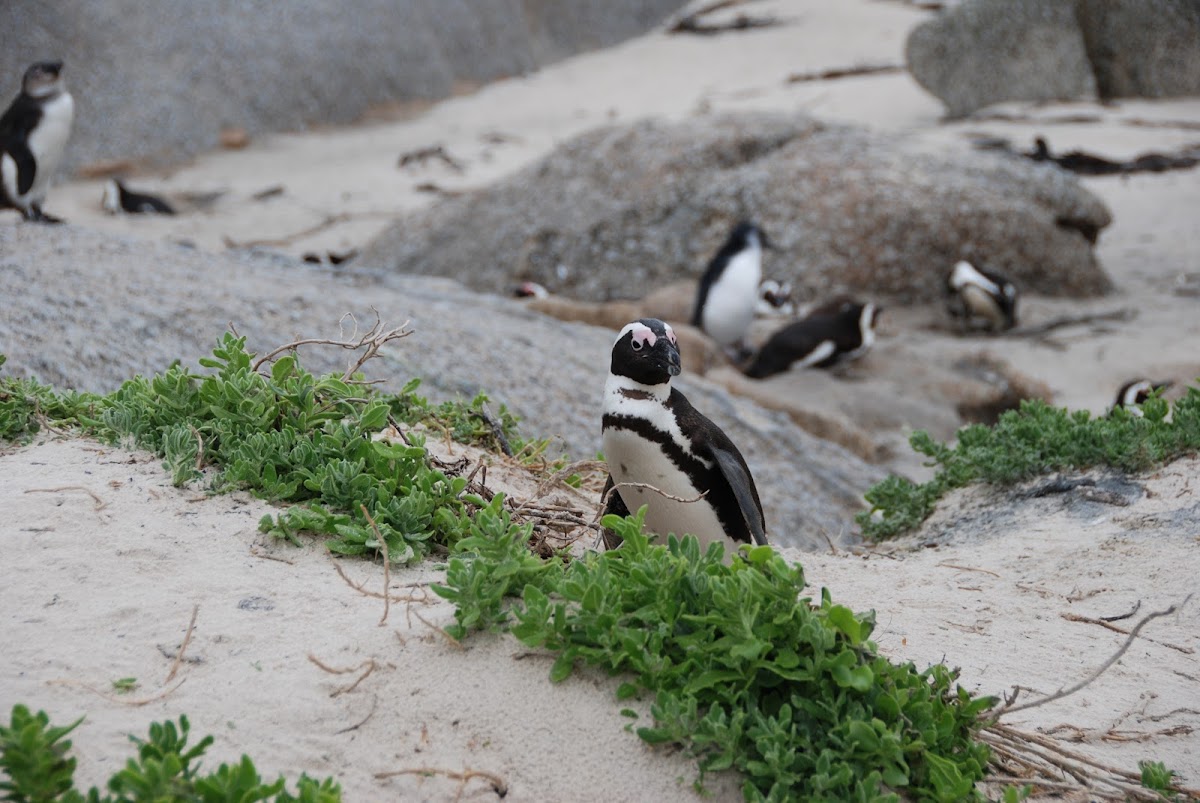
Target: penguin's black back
pixel 734 243
pixel 836 322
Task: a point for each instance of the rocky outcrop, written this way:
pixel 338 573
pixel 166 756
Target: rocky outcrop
pixel 981 52
pixel 88 311
pixel 1142 48
pixel 621 211
pixel 161 81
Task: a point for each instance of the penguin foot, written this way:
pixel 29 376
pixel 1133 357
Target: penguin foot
pixel 36 215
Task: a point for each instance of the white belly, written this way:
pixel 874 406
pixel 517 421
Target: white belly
pixel 729 308
pixel 47 143
pixel 982 305
pixel 632 459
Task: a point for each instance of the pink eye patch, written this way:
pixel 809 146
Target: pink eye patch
pixel 670 334
pixel 642 335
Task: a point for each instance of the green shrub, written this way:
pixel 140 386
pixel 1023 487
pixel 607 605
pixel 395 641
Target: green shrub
pixel 745 674
pixel 34 756
pixel 1036 439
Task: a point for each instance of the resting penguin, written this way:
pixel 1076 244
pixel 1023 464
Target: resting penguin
pixel 981 296
pixel 839 331
pixel 1134 394
pixel 33 134
pixel 118 198
pixel 728 292
pixel 654 437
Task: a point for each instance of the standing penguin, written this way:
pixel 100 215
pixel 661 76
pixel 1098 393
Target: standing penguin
pixel 982 296
pixel 654 439
pixel 841 330
pixel 728 290
pixel 33 134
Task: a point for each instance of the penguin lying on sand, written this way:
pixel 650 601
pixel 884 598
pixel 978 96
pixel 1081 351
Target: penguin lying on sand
pixel 33 135
pixel 775 299
pixel 982 297
pixel 654 437
pixel 838 331
pixel 728 292
pixel 118 198
pixel 1134 394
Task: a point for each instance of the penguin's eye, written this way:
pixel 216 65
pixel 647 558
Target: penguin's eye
pixel 637 344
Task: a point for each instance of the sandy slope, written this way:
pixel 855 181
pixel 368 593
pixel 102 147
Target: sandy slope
pixel 104 562
pixel 91 595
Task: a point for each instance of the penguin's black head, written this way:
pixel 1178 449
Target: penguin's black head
pixel 744 235
pixel 647 352
pixel 42 78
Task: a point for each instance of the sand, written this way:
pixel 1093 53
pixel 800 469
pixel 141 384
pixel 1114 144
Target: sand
pixel 102 587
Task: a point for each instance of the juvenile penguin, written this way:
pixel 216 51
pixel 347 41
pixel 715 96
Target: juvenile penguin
pixel 33 135
pixel 982 296
pixel 654 437
pixel 1134 394
pixel 118 198
pixel 836 332
pixel 728 292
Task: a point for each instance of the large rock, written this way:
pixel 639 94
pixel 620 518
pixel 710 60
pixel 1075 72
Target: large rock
pixel 986 51
pixel 161 80
pixel 1143 48
pixel 617 212
pixel 88 311
pixel 981 52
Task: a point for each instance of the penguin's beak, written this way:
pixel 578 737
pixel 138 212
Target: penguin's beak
pixel 673 365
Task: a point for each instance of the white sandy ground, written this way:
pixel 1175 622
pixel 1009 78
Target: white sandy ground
pixel 90 595
pixel 104 562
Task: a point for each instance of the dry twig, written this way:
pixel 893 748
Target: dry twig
pixel 100 503
pixel 369 665
pixel 1123 314
pixel 370 342
pixel 1061 693
pixel 498 784
pixel 387 565
pixel 187 639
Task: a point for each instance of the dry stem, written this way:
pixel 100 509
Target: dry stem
pixel 187 639
pixel 370 341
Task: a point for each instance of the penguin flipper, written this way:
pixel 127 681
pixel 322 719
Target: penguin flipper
pixel 740 481
pixel 26 165
pixel 613 505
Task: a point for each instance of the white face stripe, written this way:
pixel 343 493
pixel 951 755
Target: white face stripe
pixel 645 335
pixel 965 273
pixel 1131 393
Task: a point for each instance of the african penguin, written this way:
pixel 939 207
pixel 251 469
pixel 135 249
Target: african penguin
pixel 835 332
pixel 530 290
pixel 654 439
pixel 1135 393
pixel 981 296
pixel 728 292
pixel 774 298
pixel 33 134
pixel 118 198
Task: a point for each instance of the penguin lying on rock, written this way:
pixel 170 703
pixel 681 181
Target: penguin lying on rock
pixel 728 293
pixel 33 135
pixel 982 298
pixel 665 454
pixel 118 198
pixel 841 330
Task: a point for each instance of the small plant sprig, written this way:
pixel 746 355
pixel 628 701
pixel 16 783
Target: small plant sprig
pixel 1036 439
pixel 33 755
pixel 745 673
